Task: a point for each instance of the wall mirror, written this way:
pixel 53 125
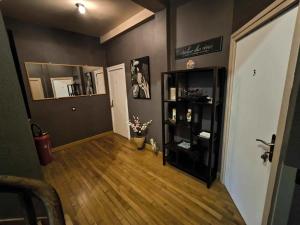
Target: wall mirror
pixel 52 81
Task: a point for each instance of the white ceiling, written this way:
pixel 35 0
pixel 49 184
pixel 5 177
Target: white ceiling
pixel 101 16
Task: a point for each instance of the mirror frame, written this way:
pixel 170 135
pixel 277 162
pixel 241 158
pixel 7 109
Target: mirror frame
pixel 60 64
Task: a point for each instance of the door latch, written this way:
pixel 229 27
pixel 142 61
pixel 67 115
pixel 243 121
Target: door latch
pixel 268 155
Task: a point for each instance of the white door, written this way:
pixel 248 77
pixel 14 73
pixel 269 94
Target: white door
pixel 118 99
pixel 99 81
pixel 60 86
pixel 260 71
pixel 36 88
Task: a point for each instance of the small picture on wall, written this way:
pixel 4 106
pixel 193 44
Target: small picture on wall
pixel 140 78
pixel 88 80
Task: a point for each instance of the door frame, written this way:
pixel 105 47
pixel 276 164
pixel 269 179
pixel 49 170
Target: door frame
pixel 52 79
pixel 272 11
pixel 40 83
pixel 109 69
pixel 101 71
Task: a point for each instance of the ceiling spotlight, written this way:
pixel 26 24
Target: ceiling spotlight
pixel 81 8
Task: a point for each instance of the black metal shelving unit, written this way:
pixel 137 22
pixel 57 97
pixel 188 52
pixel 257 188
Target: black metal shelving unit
pixel 201 158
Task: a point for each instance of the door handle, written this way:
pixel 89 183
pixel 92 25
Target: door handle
pixel 268 155
pixel 112 103
pixel 265 143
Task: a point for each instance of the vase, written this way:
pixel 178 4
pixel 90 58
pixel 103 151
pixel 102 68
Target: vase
pixel 140 142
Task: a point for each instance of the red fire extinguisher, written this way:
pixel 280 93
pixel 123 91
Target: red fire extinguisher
pixel 43 144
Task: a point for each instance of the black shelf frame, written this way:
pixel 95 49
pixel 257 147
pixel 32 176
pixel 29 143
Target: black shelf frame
pixel 172 153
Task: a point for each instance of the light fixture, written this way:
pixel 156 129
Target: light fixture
pixel 81 8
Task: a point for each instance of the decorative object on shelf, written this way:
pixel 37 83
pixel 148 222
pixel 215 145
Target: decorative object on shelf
pixel 209 99
pixel 140 131
pixel 173 94
pixel 205 135
pixel 190 64
pixel 140 78
pixel 172 121
pixel 189 115
pixel 174 115
pixel 184 144
pixel 195 92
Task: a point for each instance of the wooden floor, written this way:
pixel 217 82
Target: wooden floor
pixel 107 181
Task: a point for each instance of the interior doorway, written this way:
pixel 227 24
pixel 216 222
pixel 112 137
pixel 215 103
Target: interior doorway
pixel 259 80
pixel 118 99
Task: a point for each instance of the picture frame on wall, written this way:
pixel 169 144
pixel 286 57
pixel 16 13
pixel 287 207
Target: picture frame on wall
pixel 140 78
pixel 89 83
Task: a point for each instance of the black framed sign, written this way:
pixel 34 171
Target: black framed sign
pixel 200 48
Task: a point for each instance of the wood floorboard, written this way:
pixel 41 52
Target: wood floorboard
pixel 107 181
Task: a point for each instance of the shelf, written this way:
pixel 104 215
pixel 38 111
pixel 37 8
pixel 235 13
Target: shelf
pixel 194 102
pixel 194 150
pixel 195 159
pixel 198 170
pixel 174 101
pixel 205 139
pixel 174 147
pixel 168 122
pixel 191 102
pixel 194 70
pixel 188 125
pixel 180 123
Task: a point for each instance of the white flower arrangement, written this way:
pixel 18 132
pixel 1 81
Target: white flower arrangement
pixel 137 127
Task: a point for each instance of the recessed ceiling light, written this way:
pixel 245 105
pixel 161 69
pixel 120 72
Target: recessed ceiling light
pixel 81 8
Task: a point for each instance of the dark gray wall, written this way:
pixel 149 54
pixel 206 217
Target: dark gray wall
pixel 294 216
pixel 40 44
pixel 148 39
pixel 293 152
pixel 283 197
pixel 17 151
pixel 245 10
pixel 197 21
pixel 193 21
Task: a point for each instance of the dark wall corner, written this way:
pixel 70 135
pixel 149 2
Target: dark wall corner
pixel 17 151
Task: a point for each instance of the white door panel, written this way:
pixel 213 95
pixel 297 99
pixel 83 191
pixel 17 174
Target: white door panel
pixel 99 81
pixel 118 98
pixel 36 87
pixel 260 71
pixel 60 86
